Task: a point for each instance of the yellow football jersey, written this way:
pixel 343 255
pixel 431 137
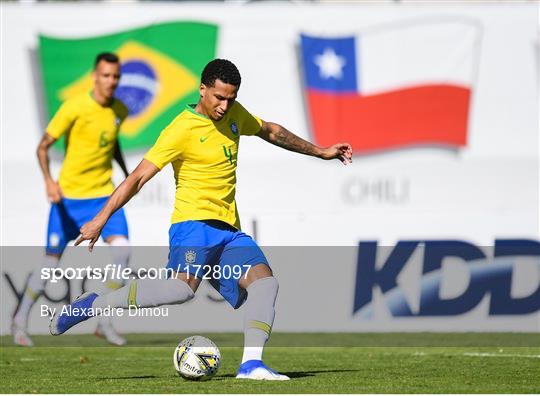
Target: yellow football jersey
pixel 203 155
pixel 91 132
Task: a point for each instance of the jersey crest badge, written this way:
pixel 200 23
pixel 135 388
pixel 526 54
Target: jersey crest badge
pixel 191 256
pixel 234 128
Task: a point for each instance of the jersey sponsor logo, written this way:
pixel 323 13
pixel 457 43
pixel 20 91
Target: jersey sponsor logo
pixel 486 273
pixel 203 139
pixel 157 77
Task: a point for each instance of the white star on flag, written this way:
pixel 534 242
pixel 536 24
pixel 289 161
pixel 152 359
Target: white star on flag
pixel 330 64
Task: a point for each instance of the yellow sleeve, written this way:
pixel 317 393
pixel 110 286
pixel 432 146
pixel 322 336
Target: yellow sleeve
pixel 169 146
pixel 62 121
pixel 249 124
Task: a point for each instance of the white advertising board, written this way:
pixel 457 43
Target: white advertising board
pixel 483 189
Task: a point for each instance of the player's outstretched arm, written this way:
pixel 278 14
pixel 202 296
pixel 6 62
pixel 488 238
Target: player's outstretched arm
pixel 54 192
pixel 123 193
pixel 119 158
pixel 280 136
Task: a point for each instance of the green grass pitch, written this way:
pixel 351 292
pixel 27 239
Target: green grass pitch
pixel 342 363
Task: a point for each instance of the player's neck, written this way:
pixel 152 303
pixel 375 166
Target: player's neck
pixel 101 99
pixel 199 109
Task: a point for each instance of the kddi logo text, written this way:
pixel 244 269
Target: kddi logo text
pixel 471 270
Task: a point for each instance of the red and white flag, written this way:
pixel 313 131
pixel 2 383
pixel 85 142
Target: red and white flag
pixel 392 87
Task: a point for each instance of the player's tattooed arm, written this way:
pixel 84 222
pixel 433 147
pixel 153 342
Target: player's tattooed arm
pixel 54 192
pixel 119 158
pixel 281 137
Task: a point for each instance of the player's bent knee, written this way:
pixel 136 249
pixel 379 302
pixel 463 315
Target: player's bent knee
pixel 190 280
pixel 269 284
pixel 186 290
pixel 259 271
pixel 173 291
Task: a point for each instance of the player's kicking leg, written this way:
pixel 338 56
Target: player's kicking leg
pixel 262 290
pixel 142 293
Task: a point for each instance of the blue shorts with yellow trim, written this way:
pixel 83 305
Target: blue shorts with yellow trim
pixel 216 251
pixel 69 215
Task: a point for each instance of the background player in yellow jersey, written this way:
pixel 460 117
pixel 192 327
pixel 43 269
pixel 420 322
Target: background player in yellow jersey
pixel 90 124
pixel 202 145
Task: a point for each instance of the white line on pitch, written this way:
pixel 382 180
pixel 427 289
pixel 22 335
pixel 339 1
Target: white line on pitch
pixel 478 354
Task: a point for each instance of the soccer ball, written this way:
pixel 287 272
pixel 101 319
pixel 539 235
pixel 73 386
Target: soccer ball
pixel 197 358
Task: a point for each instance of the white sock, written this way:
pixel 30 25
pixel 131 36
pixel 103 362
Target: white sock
pixel 147 293
pixel 34 288
pixel 259 316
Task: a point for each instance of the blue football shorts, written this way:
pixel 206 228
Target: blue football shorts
pixel 69 215
pixel 215 251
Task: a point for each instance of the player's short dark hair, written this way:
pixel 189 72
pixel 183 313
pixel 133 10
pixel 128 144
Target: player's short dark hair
pixel 107 57
pixel 220 69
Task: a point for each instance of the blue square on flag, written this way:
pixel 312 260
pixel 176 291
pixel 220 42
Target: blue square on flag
pixel 330 63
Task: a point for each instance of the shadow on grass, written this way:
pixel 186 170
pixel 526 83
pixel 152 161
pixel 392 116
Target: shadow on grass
pixel 126 377
pixel 298 374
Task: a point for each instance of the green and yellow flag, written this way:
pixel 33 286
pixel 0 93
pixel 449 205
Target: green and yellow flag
pixel 161 65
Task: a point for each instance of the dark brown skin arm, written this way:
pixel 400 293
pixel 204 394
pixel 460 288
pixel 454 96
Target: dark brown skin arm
pixel 123 193
pixel 54 193
pixel 281 137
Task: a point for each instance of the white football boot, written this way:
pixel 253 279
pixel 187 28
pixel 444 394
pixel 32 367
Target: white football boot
pixel 257 370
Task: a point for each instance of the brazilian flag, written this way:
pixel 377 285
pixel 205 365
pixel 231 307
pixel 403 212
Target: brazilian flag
pixel 161 66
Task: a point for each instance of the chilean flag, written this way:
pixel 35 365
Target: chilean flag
pixel 391 87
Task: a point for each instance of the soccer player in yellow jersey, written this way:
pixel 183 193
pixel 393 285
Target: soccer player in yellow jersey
pixel 202 146
pixel 90 124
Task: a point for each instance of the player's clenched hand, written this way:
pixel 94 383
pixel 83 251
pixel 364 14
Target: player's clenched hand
pixel 341 151
pixel 54 192
pixel 90 232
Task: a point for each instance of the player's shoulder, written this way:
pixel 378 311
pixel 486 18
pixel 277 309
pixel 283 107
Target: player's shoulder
pixel 181 118
pixel 237 106
pixel 120 108
pixel 76 100
pixel 187 117
pixel 180 125
pixel 239 110
pixel 74 104
pixel 239 113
